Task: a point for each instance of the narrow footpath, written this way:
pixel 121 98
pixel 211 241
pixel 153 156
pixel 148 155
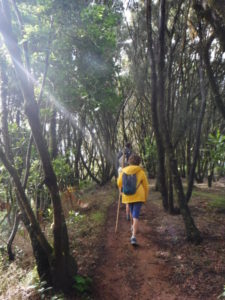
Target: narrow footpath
pixel 128 272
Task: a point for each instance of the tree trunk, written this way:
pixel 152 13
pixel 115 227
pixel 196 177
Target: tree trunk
pixel 62 266
pixel 191 175
pixel 78 148
pixel 29 220
pixel 170 187
pixel 12 236
pixel 161 180
pixel 192 232
pixel 53 140
pixel 212 80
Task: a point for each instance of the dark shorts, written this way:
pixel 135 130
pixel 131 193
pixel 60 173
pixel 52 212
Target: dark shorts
pixel 135 209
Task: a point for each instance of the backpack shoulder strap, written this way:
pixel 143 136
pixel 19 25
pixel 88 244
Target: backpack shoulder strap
pixel 139 182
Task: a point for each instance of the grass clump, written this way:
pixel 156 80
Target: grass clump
pixel 82 284
pixel 98 217
pixel 218 203
pixel 203 195
pixel 215 201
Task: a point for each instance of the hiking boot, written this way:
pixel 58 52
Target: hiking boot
pixel 133 240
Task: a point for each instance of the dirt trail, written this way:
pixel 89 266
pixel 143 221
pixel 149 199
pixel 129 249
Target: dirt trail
pixel 128 272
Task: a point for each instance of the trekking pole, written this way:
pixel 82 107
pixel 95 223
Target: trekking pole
pixel 118 211
pixel 120 194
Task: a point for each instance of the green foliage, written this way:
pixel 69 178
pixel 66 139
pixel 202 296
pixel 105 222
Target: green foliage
pixel 3 255
pixel 100 26
pixel 96 66
pixel 222 296
pixel 151 151
pixel 62 170
pixel 88 75
pixel 4 178
pixel 82 284
pixel 75 217
pixel 34 177
pixel 50 214
pixel 84 184
pixel 216 148
pixel 150 156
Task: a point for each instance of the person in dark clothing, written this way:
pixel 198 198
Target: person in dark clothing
pixel 122 160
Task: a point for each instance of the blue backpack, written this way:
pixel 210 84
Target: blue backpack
pixel 129 185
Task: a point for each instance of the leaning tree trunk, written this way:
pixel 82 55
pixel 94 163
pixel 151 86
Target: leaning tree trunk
pixel 62 266
pixel 43 257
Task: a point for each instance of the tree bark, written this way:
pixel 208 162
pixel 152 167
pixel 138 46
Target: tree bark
pixel 161 180
pixel 191 175
pixel 78 148
pixel 212 80
pixel 53 140
pixel 63 267
pixel 192 232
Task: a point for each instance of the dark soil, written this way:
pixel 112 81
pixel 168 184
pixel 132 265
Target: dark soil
pixel 163 265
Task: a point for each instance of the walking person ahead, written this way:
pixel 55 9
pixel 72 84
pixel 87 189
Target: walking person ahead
pixel 134 184
pixel 122 159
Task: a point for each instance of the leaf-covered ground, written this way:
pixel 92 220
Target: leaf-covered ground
pixel 163 266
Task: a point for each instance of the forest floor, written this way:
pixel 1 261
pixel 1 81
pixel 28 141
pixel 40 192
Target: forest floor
pixel 164 266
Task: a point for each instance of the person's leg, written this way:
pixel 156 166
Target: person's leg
pixel 135 226
pixel 127 212
pixel 136 207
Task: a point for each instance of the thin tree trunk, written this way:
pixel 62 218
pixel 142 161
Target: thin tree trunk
pixel 12 235
pixel 191 175
pixel 80 131
pixel 161 180
pixel 53 140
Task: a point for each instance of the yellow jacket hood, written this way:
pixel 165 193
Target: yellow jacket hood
pixel 131 169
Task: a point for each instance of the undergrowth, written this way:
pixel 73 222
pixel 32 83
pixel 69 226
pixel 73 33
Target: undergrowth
pixel 20 280
pixel 216 201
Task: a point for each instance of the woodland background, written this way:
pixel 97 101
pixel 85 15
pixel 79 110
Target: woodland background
pixel 79 79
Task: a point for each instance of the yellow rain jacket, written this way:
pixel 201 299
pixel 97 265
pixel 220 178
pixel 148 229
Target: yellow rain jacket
pixel 142 184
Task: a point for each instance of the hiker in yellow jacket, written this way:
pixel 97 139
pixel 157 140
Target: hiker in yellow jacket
pixel 134 196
